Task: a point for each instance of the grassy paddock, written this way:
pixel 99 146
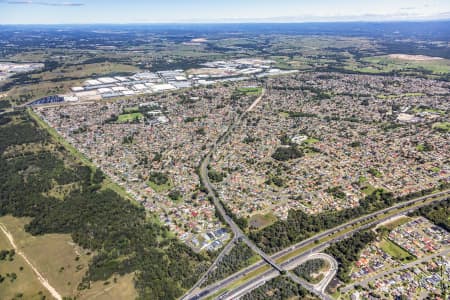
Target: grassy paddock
pixel 54 255
pixel 397 222
pixel 118 287
pixel 125 118
pixel 393 250
pixel 160 188
pixel 442 126
pixel 26 283
pixel 250 91
pixel 260 221
pixel 60 261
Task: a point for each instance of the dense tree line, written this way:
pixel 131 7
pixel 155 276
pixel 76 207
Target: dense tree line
pixel 299 225
pixel 4 104
pixel 347 251
pixel 437 213
pixel 237 259
pixel 240 221
pixel 97 219
pixel 310 267
pixel 158 178
pixel 299 114
pixel 216 176
pixel 279 288
pixel 287 153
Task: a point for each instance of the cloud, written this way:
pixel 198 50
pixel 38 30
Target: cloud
pixel 44 3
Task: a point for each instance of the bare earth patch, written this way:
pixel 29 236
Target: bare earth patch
pixel 413 57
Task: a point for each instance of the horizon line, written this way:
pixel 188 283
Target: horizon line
pixel 232 22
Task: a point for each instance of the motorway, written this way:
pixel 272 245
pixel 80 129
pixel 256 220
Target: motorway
pixel 320 286
pixel 253 282
pixel 318 289
pixel 218 259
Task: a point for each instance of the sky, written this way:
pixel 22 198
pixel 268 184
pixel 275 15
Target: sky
pixel 210 11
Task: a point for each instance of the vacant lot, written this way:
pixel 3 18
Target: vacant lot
pixel 393 250
pixel 260 221
pixel 125 118
pixel 250 91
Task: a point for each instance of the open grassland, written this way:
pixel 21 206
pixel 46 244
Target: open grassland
pixel 118 287
pixel 159 188
pixel 86 70
pixel 20 94
pixel 26 283
pixel 443 126
pixel 396 222
pixel 60 261
pixel 386 64
pixel 126 118
pixel 250 91
pixel 55 256
pixel 260 221
pixel 393 250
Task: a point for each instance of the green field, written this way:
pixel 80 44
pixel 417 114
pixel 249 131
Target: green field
pixel 160 188
pixel 26 283
pixel 250 91
pixel 54 255
pixel 442 126
pixel 386 64
pixel 133 109
pixel 397 222
pixel 428 110
pixel 368 189
pixel 311 141
pixel 59 260
pixel 126 118
pixel 260 221
pixel 393 250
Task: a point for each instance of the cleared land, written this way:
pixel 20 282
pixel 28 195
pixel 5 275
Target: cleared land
pixel 118 287
pixel 250 91
pixel 386 64
pixel 53 255
pixel 26 283
pixel 260 221
pixel 395 222
pixel 125 118
pixel 414 57
pixel 60 261
pixel 443 126
pixel 393 250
